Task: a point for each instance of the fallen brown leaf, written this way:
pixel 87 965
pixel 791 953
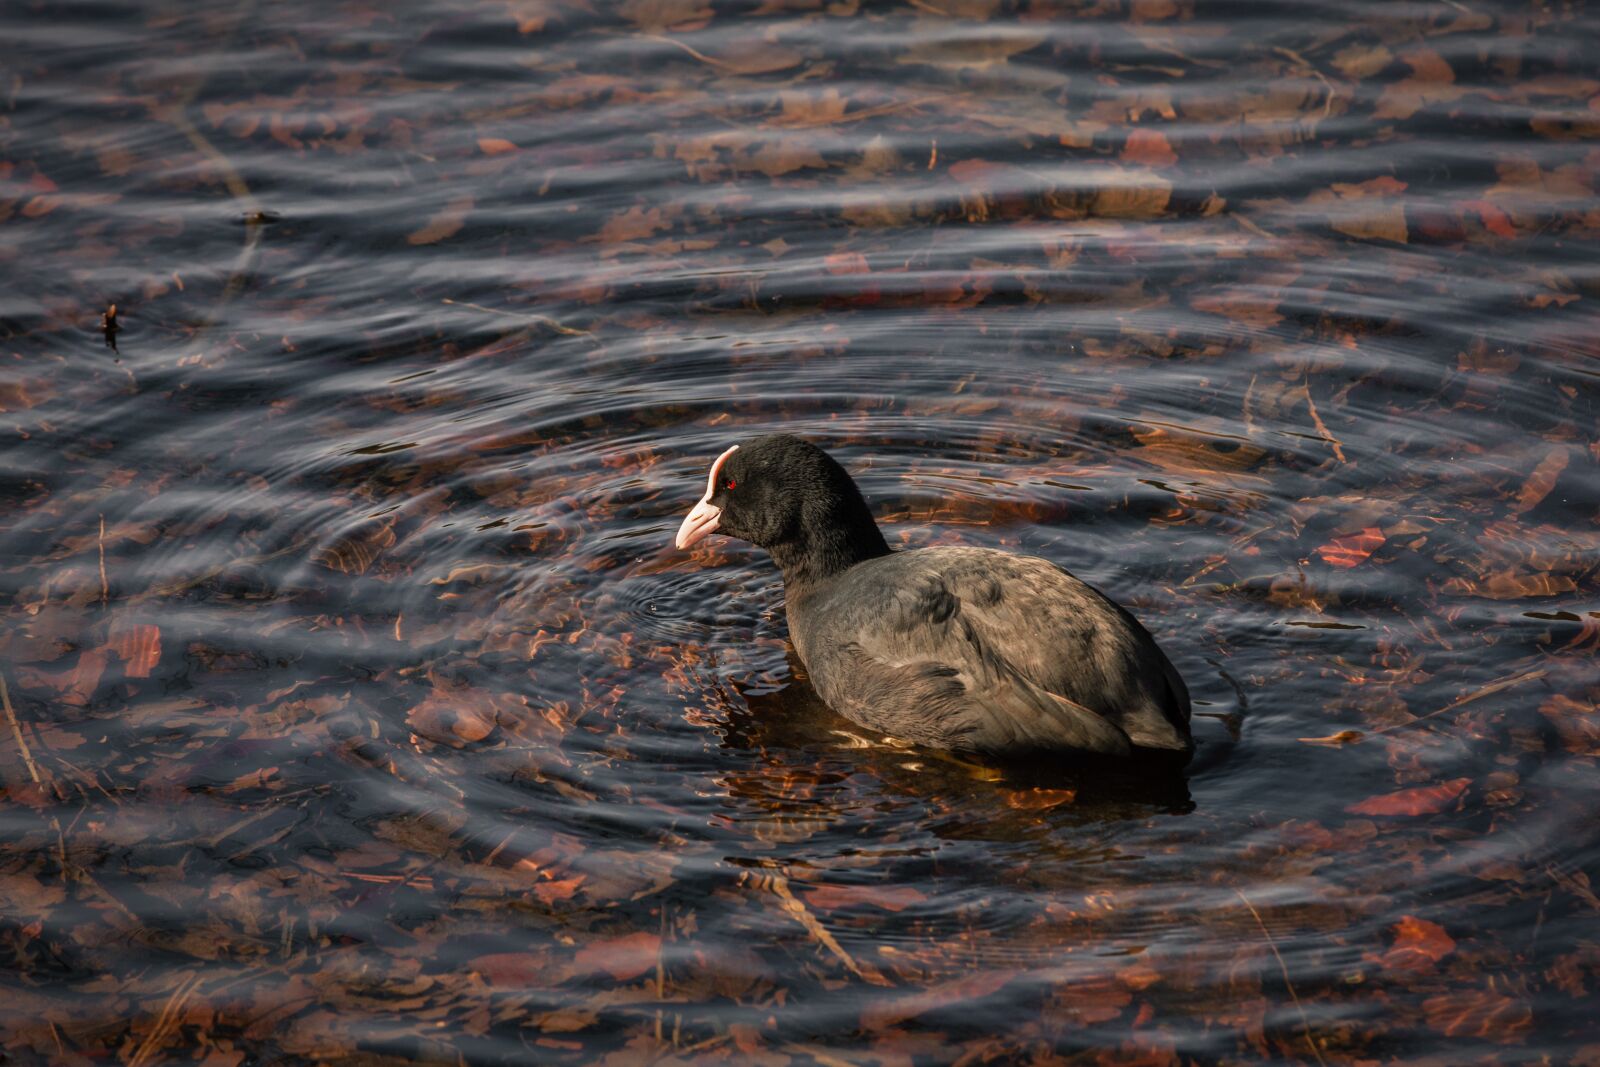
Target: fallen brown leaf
pixel 889 898
pixel 1423 800
pixel 623 958
pixel 1541 481
pixel 1351 549
pixel 447 222
pixel 1418 945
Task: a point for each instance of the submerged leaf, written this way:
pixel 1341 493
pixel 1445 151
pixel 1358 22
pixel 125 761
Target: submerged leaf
pixel 1423 800
pixel 889 898
pixel 1418 945
pixel 1039 799
pixel 623 958
pixel 1541 481
pixel 140 649
pixel 447 222
pixel 1351 549
pixel 1343 737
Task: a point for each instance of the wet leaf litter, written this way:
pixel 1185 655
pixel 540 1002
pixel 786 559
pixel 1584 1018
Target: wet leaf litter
pixel 352 708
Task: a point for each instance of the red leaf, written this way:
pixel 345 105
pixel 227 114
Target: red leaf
pixel 140 649
pixel 473 722
pixel 623 958
pixel 1150 148
pixel 550 892
pixel 1423 800
pixel 74 686
pixel 444 223
pixel 1495 221
pixel 1481 1013
pixel 889 898
pixel 975 171
pixel 1418 945
pixel 1351 549
pixel 1541 481
pixel 455 716
pixel 512 969
pixel 846 263
pixel 885 1013
pixel 1039 799
pixel 1383 185
pixel 495 146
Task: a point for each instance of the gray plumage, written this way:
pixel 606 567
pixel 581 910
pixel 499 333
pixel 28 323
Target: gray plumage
pixel 970 649
pixel 977 650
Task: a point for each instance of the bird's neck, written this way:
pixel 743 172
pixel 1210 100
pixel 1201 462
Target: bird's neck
pixel 825 551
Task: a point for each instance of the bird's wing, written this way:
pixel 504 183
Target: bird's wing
pixel 1016 634
pixel 911 660
pixel 1070 640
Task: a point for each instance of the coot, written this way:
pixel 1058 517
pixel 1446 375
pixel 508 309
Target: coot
pixel 970 649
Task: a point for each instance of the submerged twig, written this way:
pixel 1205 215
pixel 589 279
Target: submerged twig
pixel 176 115
pixel 1322 428
pixel 802 915
pixel 1579 889
pixel 16 729
pixel 1488 690
pixel 166 1022
pixel 527 316
pixel 104 594
pixel 711 61
pixel 1283 968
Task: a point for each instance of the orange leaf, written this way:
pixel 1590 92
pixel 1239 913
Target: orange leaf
pixel 495 146
pixel 755 57
pixel 140 649
pixel 447 223
pixel 633 224
pixel 76 685
pixel 1418 945
pixel 455 716
pixel 1246 305
pixel 512 969
pixel 1039 799
pixel 846 263
pixel 623 958
pixel 1495 221
pixel 1481 1013
pixel 1423 800
pixel 811 109
pixel 1432 83
pixel 1351 549
pixel 889 898
pixel 1343 737
pixel 1366 209
pixel 1505 585
pixel 1150 148
pixel 473 722
pixel 257 779
pixel 881 1014
pixel 550 892
pixel 1383 185
pixel 1541 481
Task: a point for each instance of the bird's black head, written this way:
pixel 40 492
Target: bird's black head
pixel 791 498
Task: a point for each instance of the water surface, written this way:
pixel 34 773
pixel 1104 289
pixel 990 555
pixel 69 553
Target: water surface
pixel 359 708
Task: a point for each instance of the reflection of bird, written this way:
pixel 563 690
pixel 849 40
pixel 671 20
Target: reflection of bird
pixel 793 733
pixel 969 649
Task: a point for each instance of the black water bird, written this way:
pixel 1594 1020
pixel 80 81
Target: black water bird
pixel 968 649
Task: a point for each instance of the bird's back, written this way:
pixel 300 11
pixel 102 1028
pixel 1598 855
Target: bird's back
pixel 979 649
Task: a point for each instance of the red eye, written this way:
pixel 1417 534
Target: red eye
pixel 729 484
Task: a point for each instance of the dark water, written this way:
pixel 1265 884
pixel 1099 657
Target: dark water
pixel 363 711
